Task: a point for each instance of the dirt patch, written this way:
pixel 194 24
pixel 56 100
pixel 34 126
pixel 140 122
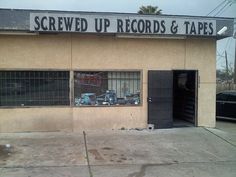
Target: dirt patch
pixel 107 148
pixel 123 158
pixel 96 154
pixel 141 173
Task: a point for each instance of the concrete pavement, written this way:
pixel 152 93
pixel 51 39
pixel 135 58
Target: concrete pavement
pixel 225 130
pixel 178 152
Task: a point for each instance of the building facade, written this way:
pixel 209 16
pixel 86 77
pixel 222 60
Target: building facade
pixel 73 71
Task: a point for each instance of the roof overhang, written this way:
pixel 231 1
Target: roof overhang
pixel 16 21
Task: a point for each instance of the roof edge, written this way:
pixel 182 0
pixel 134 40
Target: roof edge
pixel 116 13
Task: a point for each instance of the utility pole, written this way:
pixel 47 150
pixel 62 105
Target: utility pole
pixel 226 66
pixel 234 36
pixel 227 70
pixel 235 55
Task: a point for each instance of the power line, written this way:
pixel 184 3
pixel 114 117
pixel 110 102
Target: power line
pixel 225 9
pixel 218 53
pixel 216 7
pixel 221 8
pixel 225 6
pixel 220 56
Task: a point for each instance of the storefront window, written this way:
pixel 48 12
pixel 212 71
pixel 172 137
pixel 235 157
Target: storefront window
pixel 34 88
pixel 106 88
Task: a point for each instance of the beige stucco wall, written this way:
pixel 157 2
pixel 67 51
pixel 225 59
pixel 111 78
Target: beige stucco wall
pixel 40 51
pixel 201 55
pixel 36 119
pixel 85 52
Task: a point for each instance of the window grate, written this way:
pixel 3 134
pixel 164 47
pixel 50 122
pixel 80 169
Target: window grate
pixel 106 88
pixel 34 88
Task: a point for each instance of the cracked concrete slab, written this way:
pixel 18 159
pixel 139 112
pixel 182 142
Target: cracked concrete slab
pixel 129 153
pixel 226 131
pixel 217 169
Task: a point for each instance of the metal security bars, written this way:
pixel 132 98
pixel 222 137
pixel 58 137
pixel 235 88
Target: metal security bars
pixel 34 88
pixel 106 88
pixel 52 88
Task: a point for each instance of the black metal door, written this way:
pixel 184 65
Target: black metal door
pixel 160 98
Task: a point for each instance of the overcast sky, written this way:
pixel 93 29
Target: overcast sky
pixel 173 7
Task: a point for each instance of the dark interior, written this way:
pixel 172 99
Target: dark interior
pixel 184 95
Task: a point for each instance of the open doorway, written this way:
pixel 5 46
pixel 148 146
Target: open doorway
pixel 172 98
pixel 185 98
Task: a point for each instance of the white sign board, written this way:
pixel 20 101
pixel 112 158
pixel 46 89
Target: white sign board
pixel 121 24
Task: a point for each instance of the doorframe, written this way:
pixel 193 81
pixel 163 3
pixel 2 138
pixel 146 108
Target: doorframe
pixel 197 86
